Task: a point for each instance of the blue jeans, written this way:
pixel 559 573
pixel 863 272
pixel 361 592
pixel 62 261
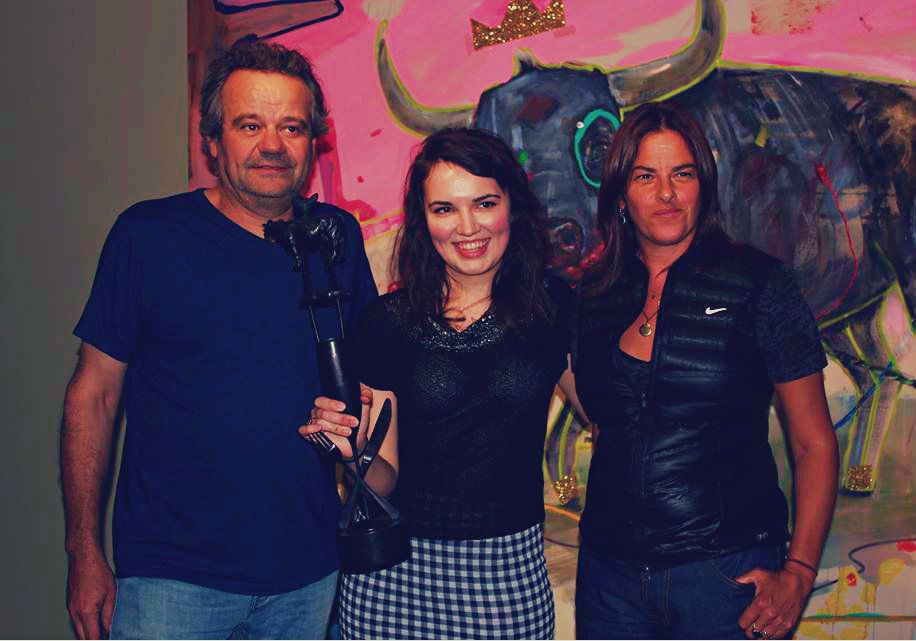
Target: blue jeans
pixel 618 599
pixel 148 608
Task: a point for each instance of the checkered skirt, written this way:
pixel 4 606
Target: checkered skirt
pixel 493 588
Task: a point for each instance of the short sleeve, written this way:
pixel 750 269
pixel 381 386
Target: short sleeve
pixel 375 347
pixel 787 333
pixel 112 316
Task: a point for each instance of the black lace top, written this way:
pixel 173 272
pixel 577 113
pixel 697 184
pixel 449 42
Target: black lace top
pixel 472 415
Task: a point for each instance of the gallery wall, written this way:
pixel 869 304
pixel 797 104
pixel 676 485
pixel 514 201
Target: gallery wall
pixel 95 113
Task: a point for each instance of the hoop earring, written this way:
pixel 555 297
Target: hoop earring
pixel 622 215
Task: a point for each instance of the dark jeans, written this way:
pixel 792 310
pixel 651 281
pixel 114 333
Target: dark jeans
pixel 622 600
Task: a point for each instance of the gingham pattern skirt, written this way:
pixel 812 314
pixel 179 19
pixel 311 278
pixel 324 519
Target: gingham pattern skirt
pixel 471 589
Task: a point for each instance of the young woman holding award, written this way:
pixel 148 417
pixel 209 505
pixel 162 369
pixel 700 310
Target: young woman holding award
pixel 470 351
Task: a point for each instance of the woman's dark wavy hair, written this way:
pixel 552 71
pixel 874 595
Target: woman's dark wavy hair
pixel 620 239
pixel 519 295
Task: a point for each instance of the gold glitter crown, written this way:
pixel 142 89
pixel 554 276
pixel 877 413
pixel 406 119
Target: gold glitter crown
pixel 522 19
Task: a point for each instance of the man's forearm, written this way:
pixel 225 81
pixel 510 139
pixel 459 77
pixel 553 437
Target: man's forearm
pixel 90 410
pixel 85 456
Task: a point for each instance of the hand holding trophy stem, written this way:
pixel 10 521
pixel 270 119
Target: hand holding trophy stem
pixel 371 533
pixel 327 418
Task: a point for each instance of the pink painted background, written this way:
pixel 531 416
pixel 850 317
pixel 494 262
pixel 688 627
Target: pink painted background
pixel 430 43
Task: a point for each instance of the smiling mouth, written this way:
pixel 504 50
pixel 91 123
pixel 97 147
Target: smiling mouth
pixel 472 248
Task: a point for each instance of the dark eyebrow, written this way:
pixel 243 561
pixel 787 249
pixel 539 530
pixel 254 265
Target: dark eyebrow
pixel 687 165
pixel 242 117
pixel 476 200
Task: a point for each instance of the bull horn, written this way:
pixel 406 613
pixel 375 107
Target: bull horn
pixel 660 78
pixel 411 114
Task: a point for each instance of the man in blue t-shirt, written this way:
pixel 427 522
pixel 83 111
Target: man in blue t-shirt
pixel 225 517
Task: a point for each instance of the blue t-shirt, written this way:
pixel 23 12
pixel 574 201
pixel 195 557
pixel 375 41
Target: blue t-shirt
pixel 216 487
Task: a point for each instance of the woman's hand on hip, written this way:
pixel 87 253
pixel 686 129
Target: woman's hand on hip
pixel 778 602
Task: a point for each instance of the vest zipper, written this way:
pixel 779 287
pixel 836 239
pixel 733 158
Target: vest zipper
pixel 645 419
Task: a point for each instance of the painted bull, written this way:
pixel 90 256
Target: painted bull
pixel 818 170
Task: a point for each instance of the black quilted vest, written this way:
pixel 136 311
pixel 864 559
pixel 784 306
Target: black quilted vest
pixel 682 470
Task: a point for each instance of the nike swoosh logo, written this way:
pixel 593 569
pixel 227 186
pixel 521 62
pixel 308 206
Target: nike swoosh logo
pixel 710 311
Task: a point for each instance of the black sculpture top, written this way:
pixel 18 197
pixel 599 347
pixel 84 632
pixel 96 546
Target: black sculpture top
pixel 307 231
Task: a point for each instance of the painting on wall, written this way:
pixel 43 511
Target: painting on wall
pixel 810 107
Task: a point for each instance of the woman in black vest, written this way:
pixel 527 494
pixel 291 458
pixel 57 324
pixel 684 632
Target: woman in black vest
pixel 683 336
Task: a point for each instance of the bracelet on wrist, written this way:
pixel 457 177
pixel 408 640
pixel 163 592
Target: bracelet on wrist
pixel 808 566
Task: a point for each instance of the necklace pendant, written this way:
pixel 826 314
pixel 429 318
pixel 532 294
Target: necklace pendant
pixel 645 329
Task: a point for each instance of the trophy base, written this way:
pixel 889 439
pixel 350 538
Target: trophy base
pixel 371 545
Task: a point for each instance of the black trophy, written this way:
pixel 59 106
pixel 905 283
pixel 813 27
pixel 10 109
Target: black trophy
pixel 371 533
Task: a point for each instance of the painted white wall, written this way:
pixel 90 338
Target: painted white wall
pixel 93 117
